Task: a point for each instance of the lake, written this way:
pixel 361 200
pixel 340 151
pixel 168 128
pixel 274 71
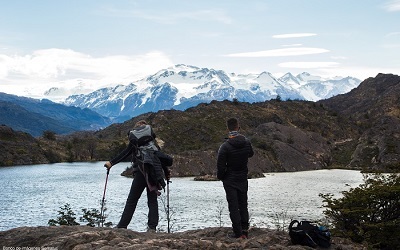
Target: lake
pixel 32 195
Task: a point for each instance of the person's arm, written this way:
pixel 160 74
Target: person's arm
pixel 251 152
pixel 221 162
pixel 152 133
pixel 166 161
pixel 121 156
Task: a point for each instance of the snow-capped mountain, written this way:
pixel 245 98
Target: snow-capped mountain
pixel 184 86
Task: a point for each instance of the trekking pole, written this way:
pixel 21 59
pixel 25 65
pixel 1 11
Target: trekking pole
pixel 168 219
pixel 102 201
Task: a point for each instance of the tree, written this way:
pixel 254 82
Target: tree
pixel 370 212
pixel 66 217
pixel 91 145
pixel 49 135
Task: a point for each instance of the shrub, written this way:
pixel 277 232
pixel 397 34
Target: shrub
pixel 66 217
pixel 369 213
pixel 93 218
pixel 49 135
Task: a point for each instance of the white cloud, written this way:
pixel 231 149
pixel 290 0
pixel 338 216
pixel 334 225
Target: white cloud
pixel 393 34
pixel 169 17
pixel 292 45
pixel 392 6
pixel 308 65
pixel 59 67
pixel 294 35
pixel 281 52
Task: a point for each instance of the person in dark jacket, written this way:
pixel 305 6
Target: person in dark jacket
pixel 149 173
pixel 232 169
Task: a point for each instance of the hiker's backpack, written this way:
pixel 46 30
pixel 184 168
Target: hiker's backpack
pixel 307 233
pixel 142 135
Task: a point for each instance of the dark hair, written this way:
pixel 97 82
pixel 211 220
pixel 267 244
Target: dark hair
pixel 232 124
pixel 140 123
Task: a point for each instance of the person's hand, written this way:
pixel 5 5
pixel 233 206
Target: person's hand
pixel 108 165
pixel 168 175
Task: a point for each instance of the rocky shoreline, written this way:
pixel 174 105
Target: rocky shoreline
pixel 84 237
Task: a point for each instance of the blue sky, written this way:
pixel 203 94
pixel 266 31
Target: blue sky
pixel 88 44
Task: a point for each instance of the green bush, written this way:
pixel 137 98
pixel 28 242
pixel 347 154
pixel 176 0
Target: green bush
pixel 67 217
pixel 369 213
pixel 93 218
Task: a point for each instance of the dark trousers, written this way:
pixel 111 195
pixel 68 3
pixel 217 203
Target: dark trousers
pixel 137 188
pixel 236 195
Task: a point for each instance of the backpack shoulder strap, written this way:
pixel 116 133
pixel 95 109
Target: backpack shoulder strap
pixel 292 224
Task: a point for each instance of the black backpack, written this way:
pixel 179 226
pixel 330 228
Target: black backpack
pixel 309 234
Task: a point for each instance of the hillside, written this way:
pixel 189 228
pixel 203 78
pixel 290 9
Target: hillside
pixel 286 135
pixel 36 116
pixel 375 108
pixel 19 148
pixel 21 119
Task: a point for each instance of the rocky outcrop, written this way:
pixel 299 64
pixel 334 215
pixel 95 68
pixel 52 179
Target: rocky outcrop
pixel 375 107
pixel 379 146
pixel 293 149
pixel 19 148
pixel 84 238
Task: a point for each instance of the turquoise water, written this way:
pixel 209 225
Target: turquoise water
pixel 31 195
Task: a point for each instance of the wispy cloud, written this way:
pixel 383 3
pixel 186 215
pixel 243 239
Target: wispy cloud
pixel 168 17
pixel 281 52
pixel 294 35
pixel 391 34
pixel 391 6
pixel 308 65
pixel 292 45
pixel 391 41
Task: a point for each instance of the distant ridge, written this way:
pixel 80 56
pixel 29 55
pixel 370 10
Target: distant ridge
pixel 35 116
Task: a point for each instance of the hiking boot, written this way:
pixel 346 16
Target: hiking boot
pixel 233 236
pixel 243 237
pixel 245 233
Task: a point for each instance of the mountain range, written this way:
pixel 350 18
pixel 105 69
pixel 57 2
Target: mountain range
pixel 355 130
pixel 179 87
pixel 184 86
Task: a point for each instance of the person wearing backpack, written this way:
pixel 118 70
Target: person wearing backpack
pixel 149 173
pixel 232 170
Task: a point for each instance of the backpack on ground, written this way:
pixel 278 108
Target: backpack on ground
pixel 309 234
